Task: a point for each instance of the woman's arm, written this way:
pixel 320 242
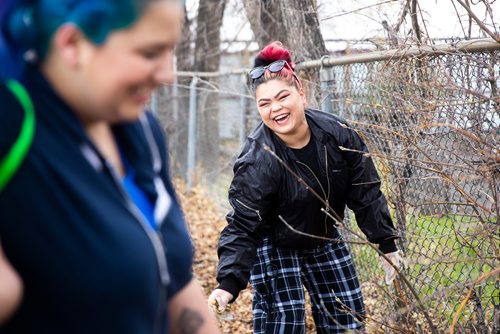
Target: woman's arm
pixel 189 313
pixel 251 196
pixel 10 288
pixel 364 196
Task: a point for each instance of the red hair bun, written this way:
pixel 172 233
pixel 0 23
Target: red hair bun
pixel 272 52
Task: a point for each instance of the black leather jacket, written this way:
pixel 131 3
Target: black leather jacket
pixel 264 192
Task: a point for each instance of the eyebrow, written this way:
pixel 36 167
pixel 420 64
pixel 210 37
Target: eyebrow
pixel 275 96
pixel 159 46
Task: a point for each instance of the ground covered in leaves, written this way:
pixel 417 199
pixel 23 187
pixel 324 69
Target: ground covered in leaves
pixel 206 220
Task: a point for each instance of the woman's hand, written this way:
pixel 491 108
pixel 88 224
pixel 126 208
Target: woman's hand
pixel 390 271
pixel 221 298
pixel 11 288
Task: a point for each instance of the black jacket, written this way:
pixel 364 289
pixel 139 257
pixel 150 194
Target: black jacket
pixel 264 192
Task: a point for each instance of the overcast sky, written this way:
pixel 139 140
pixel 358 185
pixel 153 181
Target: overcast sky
pixel 361 19
pixel 440 17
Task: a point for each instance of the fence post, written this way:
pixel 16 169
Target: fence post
pixel 327 77
pixel 191 163
pixel 154 101
pixel 243 108
pixel 175 100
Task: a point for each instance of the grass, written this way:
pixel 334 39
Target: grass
pixel 445 256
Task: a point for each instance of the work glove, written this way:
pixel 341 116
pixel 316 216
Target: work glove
pixel 390 272
pixel 220 298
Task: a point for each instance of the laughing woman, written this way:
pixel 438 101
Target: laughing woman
pixel 265 196
pixel 89 218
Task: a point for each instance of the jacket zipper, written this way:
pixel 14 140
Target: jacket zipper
pixel 327 209
pixel 154 236
pixel 96 160
pixel 327 179
pixel 316 177
pixel 163 203
pixel 327 195
pixel 249 208
pixel 155 239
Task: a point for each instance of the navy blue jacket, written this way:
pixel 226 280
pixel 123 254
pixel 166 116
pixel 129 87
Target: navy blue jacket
pixel 89 261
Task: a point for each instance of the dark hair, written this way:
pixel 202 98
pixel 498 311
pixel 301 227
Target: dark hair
pixel 272 52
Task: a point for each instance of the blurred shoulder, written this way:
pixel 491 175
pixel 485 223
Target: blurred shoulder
pixel 334 125
pixel 326 118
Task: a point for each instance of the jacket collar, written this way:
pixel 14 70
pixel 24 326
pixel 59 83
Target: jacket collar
pixel 51 109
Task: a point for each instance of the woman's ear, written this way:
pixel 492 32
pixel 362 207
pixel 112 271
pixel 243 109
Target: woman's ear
pixel 69 43
pixel 303 96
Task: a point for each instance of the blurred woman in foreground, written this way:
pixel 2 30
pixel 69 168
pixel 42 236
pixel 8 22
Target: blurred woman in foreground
pixel 89 217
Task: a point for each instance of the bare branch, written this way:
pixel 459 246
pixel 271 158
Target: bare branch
pixel 493 35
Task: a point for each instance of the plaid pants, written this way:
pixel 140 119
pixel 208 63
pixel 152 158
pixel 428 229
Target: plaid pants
pixel 328 274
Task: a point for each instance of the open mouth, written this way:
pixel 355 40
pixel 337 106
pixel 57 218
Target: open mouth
pixel 281 119
pixel 141 95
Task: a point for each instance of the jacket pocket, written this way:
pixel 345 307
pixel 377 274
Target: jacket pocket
pixel 340 177
pixel 263 270
pixel 247 208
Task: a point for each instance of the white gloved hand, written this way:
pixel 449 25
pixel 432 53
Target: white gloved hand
pixel 221 298
pixel 390 272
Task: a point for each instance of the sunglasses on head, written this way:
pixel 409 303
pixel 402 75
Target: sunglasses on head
pixel 274 67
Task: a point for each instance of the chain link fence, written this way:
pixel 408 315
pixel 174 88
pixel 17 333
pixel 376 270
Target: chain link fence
pixel 431 118
pixel 432 121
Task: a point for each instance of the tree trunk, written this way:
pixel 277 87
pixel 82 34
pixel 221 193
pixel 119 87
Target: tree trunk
pixel 175 103
pixel 207 59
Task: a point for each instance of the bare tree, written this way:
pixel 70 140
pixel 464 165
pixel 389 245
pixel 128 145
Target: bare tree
pixel 266 20
pixel 203 57
pixel 174 99
pixel 207 59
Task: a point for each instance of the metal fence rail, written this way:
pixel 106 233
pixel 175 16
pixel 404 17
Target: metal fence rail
pixel 431 118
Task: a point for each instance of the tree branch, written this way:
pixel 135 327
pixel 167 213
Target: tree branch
pixel 480 23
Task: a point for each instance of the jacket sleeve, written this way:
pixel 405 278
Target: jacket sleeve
pixel 364 196
pixel 250 196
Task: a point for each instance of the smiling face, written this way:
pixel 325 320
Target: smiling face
pixel 113 82
pixel 281 106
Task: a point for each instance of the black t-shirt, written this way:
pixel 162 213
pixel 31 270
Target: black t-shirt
pixel 308 155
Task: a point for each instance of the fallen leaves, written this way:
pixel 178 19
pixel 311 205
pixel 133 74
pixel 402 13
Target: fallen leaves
pixel 205 221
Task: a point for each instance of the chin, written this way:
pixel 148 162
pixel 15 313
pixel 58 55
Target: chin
pixel 129 114
pixel 285 129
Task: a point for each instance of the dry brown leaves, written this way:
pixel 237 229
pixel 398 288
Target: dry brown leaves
pixel 205 221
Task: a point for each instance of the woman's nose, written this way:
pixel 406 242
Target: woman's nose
pixel 276 106
pixel 164 73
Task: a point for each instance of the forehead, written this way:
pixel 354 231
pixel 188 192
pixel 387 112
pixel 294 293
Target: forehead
pixel 269 89
pixel 161 22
